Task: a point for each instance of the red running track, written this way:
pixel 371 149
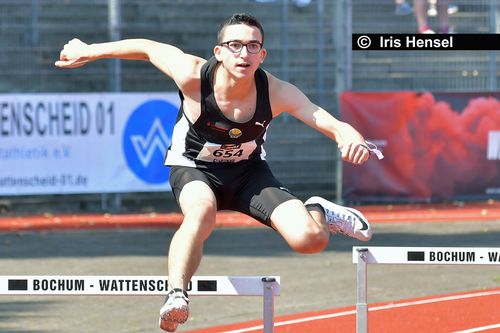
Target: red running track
pixel 474 311
pixel 464 313
pixel 484 211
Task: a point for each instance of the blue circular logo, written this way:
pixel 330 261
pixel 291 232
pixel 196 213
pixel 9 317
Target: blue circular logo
pixel 147 136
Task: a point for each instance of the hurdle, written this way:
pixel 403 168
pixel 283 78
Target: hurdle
pixel 91 285
pixel 362 256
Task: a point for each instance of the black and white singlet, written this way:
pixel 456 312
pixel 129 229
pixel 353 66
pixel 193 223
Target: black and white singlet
pixel 213 139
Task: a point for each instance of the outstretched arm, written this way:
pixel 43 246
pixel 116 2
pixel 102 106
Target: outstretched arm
pixel 181 67
pixel 288 98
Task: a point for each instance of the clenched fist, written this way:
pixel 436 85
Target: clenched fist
pixel 73 55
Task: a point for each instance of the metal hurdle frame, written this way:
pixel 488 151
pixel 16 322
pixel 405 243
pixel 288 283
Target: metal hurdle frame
pixel 362 256
pixel 86 285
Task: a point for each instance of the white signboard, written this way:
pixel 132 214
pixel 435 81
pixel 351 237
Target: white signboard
pixel 493 145
pixel 85 143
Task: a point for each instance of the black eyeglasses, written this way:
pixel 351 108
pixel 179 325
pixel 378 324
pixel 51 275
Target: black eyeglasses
pixel 236 46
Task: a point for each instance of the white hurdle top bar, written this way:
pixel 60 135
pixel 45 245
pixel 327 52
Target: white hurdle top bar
pixel 134 285
pixel 428 255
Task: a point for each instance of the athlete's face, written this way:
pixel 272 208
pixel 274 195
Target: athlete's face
pixel 241 52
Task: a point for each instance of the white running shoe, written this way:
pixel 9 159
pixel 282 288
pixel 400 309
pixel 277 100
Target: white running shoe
pixel 344 220
pixel 175 311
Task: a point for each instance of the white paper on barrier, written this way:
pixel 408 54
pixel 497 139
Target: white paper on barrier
pixel 85 143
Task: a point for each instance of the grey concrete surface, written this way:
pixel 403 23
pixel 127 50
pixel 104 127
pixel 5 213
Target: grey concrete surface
pixel 309 282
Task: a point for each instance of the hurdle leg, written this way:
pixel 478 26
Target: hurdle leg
pixel 268 304
pixel 361 304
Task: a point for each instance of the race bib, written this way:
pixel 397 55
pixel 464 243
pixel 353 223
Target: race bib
pixel 226 153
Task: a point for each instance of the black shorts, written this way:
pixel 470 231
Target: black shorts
pixel 248 187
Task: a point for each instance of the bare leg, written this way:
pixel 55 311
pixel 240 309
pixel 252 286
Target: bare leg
pixel 442 8
pixel 420 9
pixel 306 228
pixel 198 204
pixel 304 231
pixel 199 207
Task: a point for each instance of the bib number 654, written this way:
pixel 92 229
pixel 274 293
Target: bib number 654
pixel 227 153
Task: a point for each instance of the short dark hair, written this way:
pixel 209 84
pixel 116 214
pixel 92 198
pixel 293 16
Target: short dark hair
pixel 239 18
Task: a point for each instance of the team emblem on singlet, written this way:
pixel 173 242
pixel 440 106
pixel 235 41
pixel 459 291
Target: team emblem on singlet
pixel 235 133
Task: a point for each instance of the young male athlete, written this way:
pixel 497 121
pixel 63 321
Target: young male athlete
pixel 217 158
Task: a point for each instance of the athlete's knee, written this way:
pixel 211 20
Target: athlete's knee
pixel 199 219
pixel 312 240
pixel 200 208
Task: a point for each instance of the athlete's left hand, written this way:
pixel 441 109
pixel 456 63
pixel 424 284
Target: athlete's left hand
pixel 355 152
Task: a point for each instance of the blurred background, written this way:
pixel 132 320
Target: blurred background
pixel 308 43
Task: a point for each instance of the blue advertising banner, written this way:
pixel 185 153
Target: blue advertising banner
pixel 85 143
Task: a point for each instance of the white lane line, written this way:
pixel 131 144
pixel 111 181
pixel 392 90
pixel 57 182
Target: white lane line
pixel 375 308
pixel 479 329
pixel 294 321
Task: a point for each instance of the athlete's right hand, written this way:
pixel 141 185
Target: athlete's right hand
pixel 73 54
